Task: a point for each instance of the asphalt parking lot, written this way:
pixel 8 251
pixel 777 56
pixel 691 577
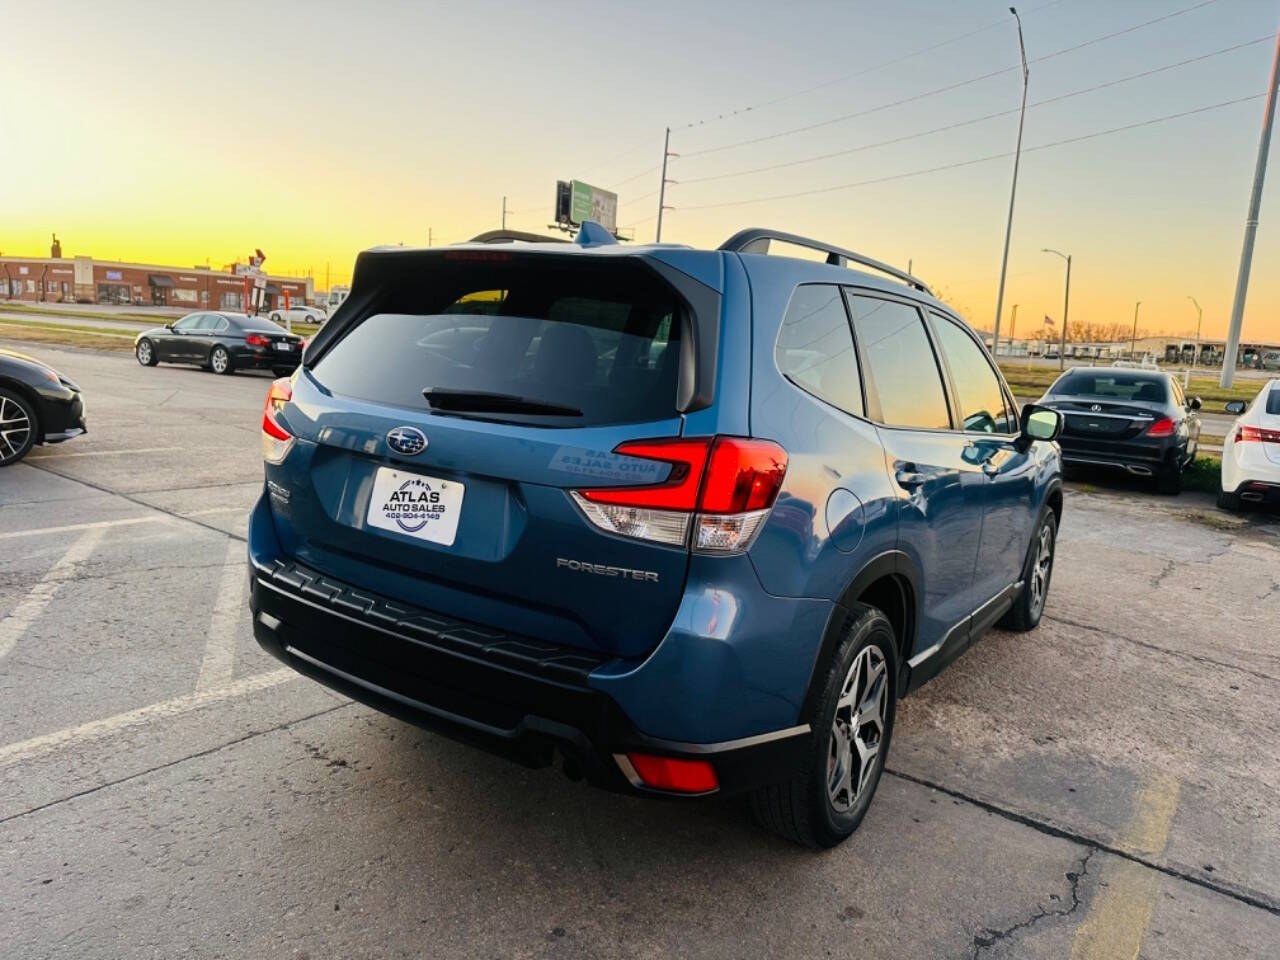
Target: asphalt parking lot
pixel 1108 786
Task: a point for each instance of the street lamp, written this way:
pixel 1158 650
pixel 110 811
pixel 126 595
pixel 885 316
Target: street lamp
pixel 1133 345
pixel 1066 303
pixel 1195 357
pixel 1013 190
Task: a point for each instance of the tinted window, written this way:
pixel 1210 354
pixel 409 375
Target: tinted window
pixel 189 322
pixel 899 363
pixel 979 397
pixel 208 322
pixel 603 338
pixel 815 347
pixel 1273 401
pixel 1112 385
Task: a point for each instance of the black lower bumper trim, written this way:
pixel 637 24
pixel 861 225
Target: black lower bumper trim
pixel 511 696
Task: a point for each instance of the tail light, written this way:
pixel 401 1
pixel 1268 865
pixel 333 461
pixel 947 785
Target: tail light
pixel 276 438
pixel 1162 428
pixel 257 340
pixel 721 487
pixel 1246 434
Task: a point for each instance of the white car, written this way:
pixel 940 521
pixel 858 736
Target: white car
pixel 298 313
pixel 1251 451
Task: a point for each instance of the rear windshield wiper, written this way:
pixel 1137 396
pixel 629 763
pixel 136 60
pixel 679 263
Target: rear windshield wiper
pixel 480 401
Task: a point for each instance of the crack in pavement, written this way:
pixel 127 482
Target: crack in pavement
pixel 1250 898
pixel 152 506
pixel 1169 567
pixel 251 735
pixel 988 937
pixel 1181 654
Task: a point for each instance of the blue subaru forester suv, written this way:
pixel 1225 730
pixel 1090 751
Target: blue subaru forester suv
pixel 690 520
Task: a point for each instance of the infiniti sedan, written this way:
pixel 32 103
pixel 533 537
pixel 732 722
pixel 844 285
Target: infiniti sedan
pixel 1139 421
pixel 37 405
pixel 221 342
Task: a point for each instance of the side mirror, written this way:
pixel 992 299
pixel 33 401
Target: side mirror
pixel 169 327
pixel 1235 406
pixel 1194 403
pixel 1039 423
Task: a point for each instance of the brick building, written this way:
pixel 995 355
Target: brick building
pixel 86 280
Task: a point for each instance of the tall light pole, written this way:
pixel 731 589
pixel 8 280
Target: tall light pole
pixel 1013 190
pixel 504 213
pixel 1251 226
pixel 1195 357
pixel 1066 305
pixel 662 187
pixel 1133 345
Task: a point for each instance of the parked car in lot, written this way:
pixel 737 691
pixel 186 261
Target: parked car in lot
pixel 1251 451
pixel 1270 360
pixel 692 520
pixel 1135 420
pixel 37 405
pixel 298 313
pixel 221 342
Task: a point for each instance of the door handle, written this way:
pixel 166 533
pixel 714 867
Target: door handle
pixel 908 476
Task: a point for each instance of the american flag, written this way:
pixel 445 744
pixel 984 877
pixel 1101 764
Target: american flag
pixel 1048 320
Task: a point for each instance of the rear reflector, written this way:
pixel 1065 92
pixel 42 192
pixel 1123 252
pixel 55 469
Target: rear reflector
pixel 677 776
pixel 724 487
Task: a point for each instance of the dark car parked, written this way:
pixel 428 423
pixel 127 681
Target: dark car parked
pixel 1134 420
pixel 221 342
pixel 37 405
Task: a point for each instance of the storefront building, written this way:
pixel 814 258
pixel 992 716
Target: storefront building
pixel 85 280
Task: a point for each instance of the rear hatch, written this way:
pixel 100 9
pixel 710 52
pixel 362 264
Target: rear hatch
pixel 535 368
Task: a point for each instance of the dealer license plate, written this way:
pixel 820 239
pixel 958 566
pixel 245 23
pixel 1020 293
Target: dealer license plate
pixel 415 505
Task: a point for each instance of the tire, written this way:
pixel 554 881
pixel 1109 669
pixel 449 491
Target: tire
pixel 1169 480
pixel 1228 501
pixel 282 371
pixel 808 810
pixel 145 351
pixel 220 361
pixel 19 427
pixel 274 318
pixel 1037 574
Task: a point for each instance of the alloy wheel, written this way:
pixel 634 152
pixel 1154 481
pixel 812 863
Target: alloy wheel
pixel 858 728
pixel 144 352
pixel 1041 567
pixel 219 361
pixel 15 429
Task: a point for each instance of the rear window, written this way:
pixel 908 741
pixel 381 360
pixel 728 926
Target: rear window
pixel 1113 386
pixel 602 339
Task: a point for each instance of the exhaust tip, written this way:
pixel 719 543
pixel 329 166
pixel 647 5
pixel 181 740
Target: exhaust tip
pixel 1139 471
pixel 1251 497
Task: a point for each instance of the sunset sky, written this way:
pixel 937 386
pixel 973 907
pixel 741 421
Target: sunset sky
pixel 176 133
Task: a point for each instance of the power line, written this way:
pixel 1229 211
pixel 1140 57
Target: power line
pixel 944 89
pixel 858 73
pixel 965 123
pixel 976 160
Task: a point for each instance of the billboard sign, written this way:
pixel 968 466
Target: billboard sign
pixel 577 201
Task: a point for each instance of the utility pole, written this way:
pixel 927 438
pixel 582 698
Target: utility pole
pixel 1195 357
pixel 504 213
pixel 429 237
pixel 1133 344
pixel 1013 329
pixel 1251 226
pixel 326 276
pixel 1013 190
pixel 1066 306
pixel 662 187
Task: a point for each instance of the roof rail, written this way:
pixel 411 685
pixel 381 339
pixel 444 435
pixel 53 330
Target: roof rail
pixel 756 240
pixel 513 236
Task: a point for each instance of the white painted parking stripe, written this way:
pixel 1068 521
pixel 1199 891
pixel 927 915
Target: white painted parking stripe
pixel 95 525
pixel 209 510
pixel 229 612
pixel 25 613
pixel 166 709
pixel 102 453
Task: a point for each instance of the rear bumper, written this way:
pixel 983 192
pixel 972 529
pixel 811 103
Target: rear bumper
pixel 1143 459
pixel 1259 491
pixel 522 699
pixel 265 359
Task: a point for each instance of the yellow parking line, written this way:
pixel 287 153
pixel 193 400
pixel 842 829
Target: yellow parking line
pixel 1119 914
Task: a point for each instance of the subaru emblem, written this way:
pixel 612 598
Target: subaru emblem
pixel 407 440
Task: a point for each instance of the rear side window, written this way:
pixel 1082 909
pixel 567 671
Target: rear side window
pixel 1273 401
pixel 979 397
pixel 899 364
pixel 815 347
pixel 600 338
